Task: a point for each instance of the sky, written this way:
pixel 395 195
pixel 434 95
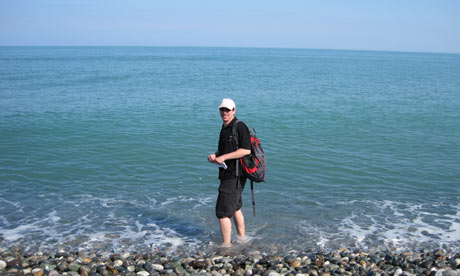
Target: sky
pixel 389 25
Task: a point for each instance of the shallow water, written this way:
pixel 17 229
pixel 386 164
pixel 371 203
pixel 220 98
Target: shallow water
pixel 105 147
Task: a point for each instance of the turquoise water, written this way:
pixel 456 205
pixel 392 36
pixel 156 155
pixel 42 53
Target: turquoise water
pixel 105 148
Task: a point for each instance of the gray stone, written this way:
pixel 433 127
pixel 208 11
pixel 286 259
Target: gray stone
pixel 333 266
pixel 215 273
pixel 155 267
pixel 387 267
pixel 226 259
pixel 398 272
pixel 13 271
pixel 180 270
pixel 74 266
pixel 273 273
pixel 248 272
pixel 450 273
pixel 427 264
pixel 101 269
pixel 63 266
pixel 13 263
pixel 53 273
pixel 48 267
pixel 455 263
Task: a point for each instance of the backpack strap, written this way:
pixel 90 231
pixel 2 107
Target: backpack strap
pixel 235 137
pixel 253 200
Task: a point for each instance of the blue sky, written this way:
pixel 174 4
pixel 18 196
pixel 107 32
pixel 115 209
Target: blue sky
pixel 403 25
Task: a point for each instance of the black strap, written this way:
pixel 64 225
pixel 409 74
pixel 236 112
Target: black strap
pixel 253 200
pixel 235 137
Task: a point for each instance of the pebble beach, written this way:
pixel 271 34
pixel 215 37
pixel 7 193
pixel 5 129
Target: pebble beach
pixel 225 262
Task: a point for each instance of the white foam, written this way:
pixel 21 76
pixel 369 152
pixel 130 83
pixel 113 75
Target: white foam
pixel 201 201
pixel 375 224
pixel 14 204
pixel 413 228
pixel 16 233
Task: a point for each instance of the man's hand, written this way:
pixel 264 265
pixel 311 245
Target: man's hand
pixel 212 158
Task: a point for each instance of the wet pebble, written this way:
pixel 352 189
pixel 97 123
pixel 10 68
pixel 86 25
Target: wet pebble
pixel 339 262
pixel 455 263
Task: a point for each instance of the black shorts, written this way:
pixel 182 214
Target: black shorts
pixel 229 199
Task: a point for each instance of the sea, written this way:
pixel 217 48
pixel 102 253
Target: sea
pixel 105 148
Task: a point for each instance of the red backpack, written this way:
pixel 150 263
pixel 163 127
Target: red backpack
pixel 253 166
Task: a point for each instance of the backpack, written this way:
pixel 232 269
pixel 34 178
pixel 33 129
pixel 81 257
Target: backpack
pixel 253 166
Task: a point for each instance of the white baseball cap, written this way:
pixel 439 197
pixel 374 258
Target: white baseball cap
pixel 227 103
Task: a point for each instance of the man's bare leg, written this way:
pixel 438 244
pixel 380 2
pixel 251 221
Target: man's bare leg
pixel 238 217
pixel 226 230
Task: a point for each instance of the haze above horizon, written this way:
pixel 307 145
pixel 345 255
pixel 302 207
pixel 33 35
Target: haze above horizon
pixel 413 26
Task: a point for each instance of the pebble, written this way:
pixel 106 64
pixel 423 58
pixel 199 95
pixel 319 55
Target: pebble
pixel 38 272
pixel 118 263
pixel 450 273
pixel 215 273
pixel 455 263
pixel 157 267
pixel 74 267
pixel 85 260
pixel 340 262
pixel 295 264
pixel 398 271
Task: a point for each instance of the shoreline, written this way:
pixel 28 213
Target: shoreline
pixel 232 262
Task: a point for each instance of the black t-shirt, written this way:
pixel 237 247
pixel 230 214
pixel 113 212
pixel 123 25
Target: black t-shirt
pixel 227 144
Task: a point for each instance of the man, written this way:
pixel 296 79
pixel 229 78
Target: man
pixel 229 201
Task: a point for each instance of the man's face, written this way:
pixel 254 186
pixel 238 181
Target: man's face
pixel 226 114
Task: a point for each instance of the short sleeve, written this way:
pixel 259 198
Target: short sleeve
pixel 244 138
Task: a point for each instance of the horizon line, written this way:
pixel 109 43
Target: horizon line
pixel 241 47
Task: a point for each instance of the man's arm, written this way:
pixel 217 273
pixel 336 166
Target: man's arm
pixel 233 155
